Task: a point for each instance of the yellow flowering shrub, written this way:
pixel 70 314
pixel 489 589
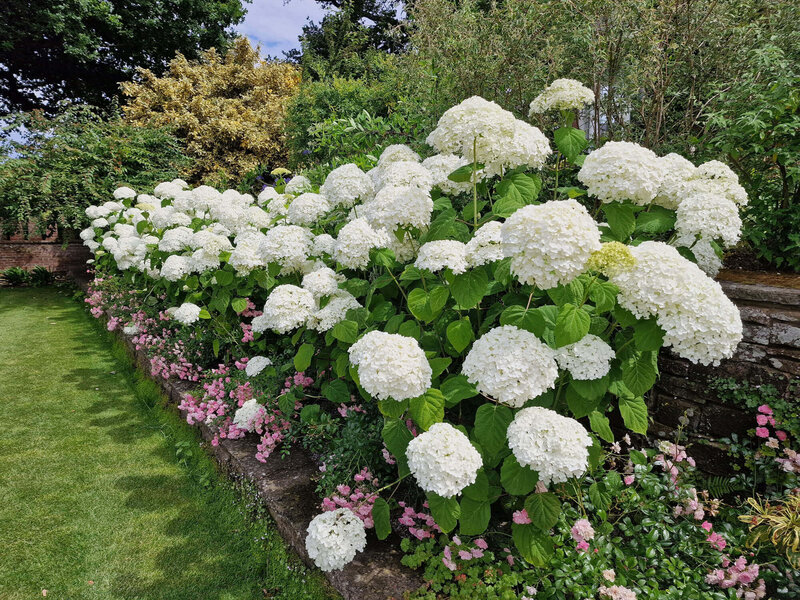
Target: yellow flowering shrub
pixel 228 108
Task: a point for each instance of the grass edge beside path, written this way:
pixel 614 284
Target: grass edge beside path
pixel 106 492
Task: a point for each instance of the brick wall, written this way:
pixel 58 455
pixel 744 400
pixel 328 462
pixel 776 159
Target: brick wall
pixel 70 259
pixel 768 354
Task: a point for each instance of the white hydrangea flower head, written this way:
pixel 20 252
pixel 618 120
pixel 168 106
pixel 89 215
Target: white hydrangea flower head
pixel 203 260
pixel 277 207
pixel 255 216
pixel 442 254
pixel 184 202
pixel 405 173
pixel 95 212
pixel 473 125
pixel 322 282
pixel 246 416
pixel 204 196
pixel 510 365
pixel 213 243
pixel 676 171
pixel 528 147
pixel 334 538
pixel 704 253
pixel 391 366
pixel 404 249
pixel 187 313
pixel 549 443
pixel 395 207
pixel 396 153
pixel 256 364
pixel 267 194
pixel 297 185
pixel 307 208
pixel 700 322
pixel 441 166
pixel 443 461
pixel 588 358
pixel 710 216
pixel 562 94
pixel 550 244
pixel 176 267
pixel 354 242
pixel 87 234
pixel 323 243
pixel 167 216
pixel 100 223
pixel 287 307
pixel 123 193
pixel 130 330
pixel 486 247
pixel 176 240
pixel 287 245
pixel 323 319
pixel 167 189
pixel 246 255
pixel 724 178
pixel 91 245
pixel 620 171
pixel 347 184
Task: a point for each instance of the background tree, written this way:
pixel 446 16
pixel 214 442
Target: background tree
pixel 82 49
pixel 229 109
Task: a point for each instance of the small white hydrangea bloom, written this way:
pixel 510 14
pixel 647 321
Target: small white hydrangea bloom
pixel 553 445
pixel 406 173
pixel 511 365
pixel 256 364
pixel 187 313
pixel 441 166
pixel 442 254
pixel 176 267
pixel 347 184
pixel 287 307
pixel 391 366
pixel 395 207
pixel 487 245
pixel 323 319
pixel 297 185
pixel 246 415
pixel 323 244
pixel 704 253
pixel 709 216
pixel 245 255
pixel 620 171
pixel 550 244
pixel 676 171
pixel 443 461
pixel 528 147
pixel 723 177
pixel 267 194
pixel 322 282
pixel 307 208
pixel 176 240
pixel 122 193
pixel 562 94
pixel 334 538
pixel 287 245
pixel 588 358
pixel 354 242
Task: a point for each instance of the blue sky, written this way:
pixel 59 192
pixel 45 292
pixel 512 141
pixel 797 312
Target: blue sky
pixel 276 24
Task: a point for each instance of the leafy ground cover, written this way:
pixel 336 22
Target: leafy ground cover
pixel 105 492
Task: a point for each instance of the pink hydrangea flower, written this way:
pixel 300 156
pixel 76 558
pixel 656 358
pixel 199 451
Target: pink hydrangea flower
pixel 762 432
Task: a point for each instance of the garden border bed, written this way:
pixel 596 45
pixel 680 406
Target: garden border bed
pixel 286 489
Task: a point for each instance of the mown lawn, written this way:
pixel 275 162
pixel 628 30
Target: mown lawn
pixel 103 492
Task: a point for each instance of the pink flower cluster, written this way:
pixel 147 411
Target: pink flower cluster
pixel 617 592
pixel 693 506
pixel 357 499
pixel 582 531
pixel 520 517
pixel 717 541
pixel 765 418
pixel 740 575
pixel 463 552
pixel 425 528
pixel 343 409
pixel 672 455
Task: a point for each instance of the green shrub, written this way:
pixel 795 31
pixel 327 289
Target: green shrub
pixel 41 276
pixel 75 159
pixel 16 276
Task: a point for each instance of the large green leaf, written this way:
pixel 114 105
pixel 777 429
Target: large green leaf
pixel 639 372
pixel 579 405
pixel 345 331
pixel 634 414
pixel 534 546
pixel 396 436
pixel 427 409
pixel 456 389
pixel 380 515
pixel 599 495
pixel 491 424
pixel 516 479
pixel 647 335
pixel 621 219
pixel 459 334
pixel 572 325
pixel 336 391
pixel 570 142
pixel 469 288
pixel 302 360
pixel 445 511
pixel 656 220
pixel 475 516
pixel 223 278
pixel 520 188
pixel 543 510
pixel 600 425
pixel 604 295
pixel 530 319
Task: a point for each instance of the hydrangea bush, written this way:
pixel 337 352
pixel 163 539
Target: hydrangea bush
pixel 494 327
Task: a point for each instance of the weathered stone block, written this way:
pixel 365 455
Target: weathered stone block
pixel 785 334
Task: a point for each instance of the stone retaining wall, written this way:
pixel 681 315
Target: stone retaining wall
pixel 768 354
pixel 70 259
pixel 286 487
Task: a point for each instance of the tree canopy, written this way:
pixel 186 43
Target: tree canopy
pixel 81 49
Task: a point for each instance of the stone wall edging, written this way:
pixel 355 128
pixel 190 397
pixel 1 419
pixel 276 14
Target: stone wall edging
pixel 287 490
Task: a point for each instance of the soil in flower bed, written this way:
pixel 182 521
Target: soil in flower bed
pixel 106 494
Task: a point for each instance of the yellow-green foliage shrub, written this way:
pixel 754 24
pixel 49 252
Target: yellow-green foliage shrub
pixel 229 109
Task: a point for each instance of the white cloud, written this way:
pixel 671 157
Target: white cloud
pixel 276 24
